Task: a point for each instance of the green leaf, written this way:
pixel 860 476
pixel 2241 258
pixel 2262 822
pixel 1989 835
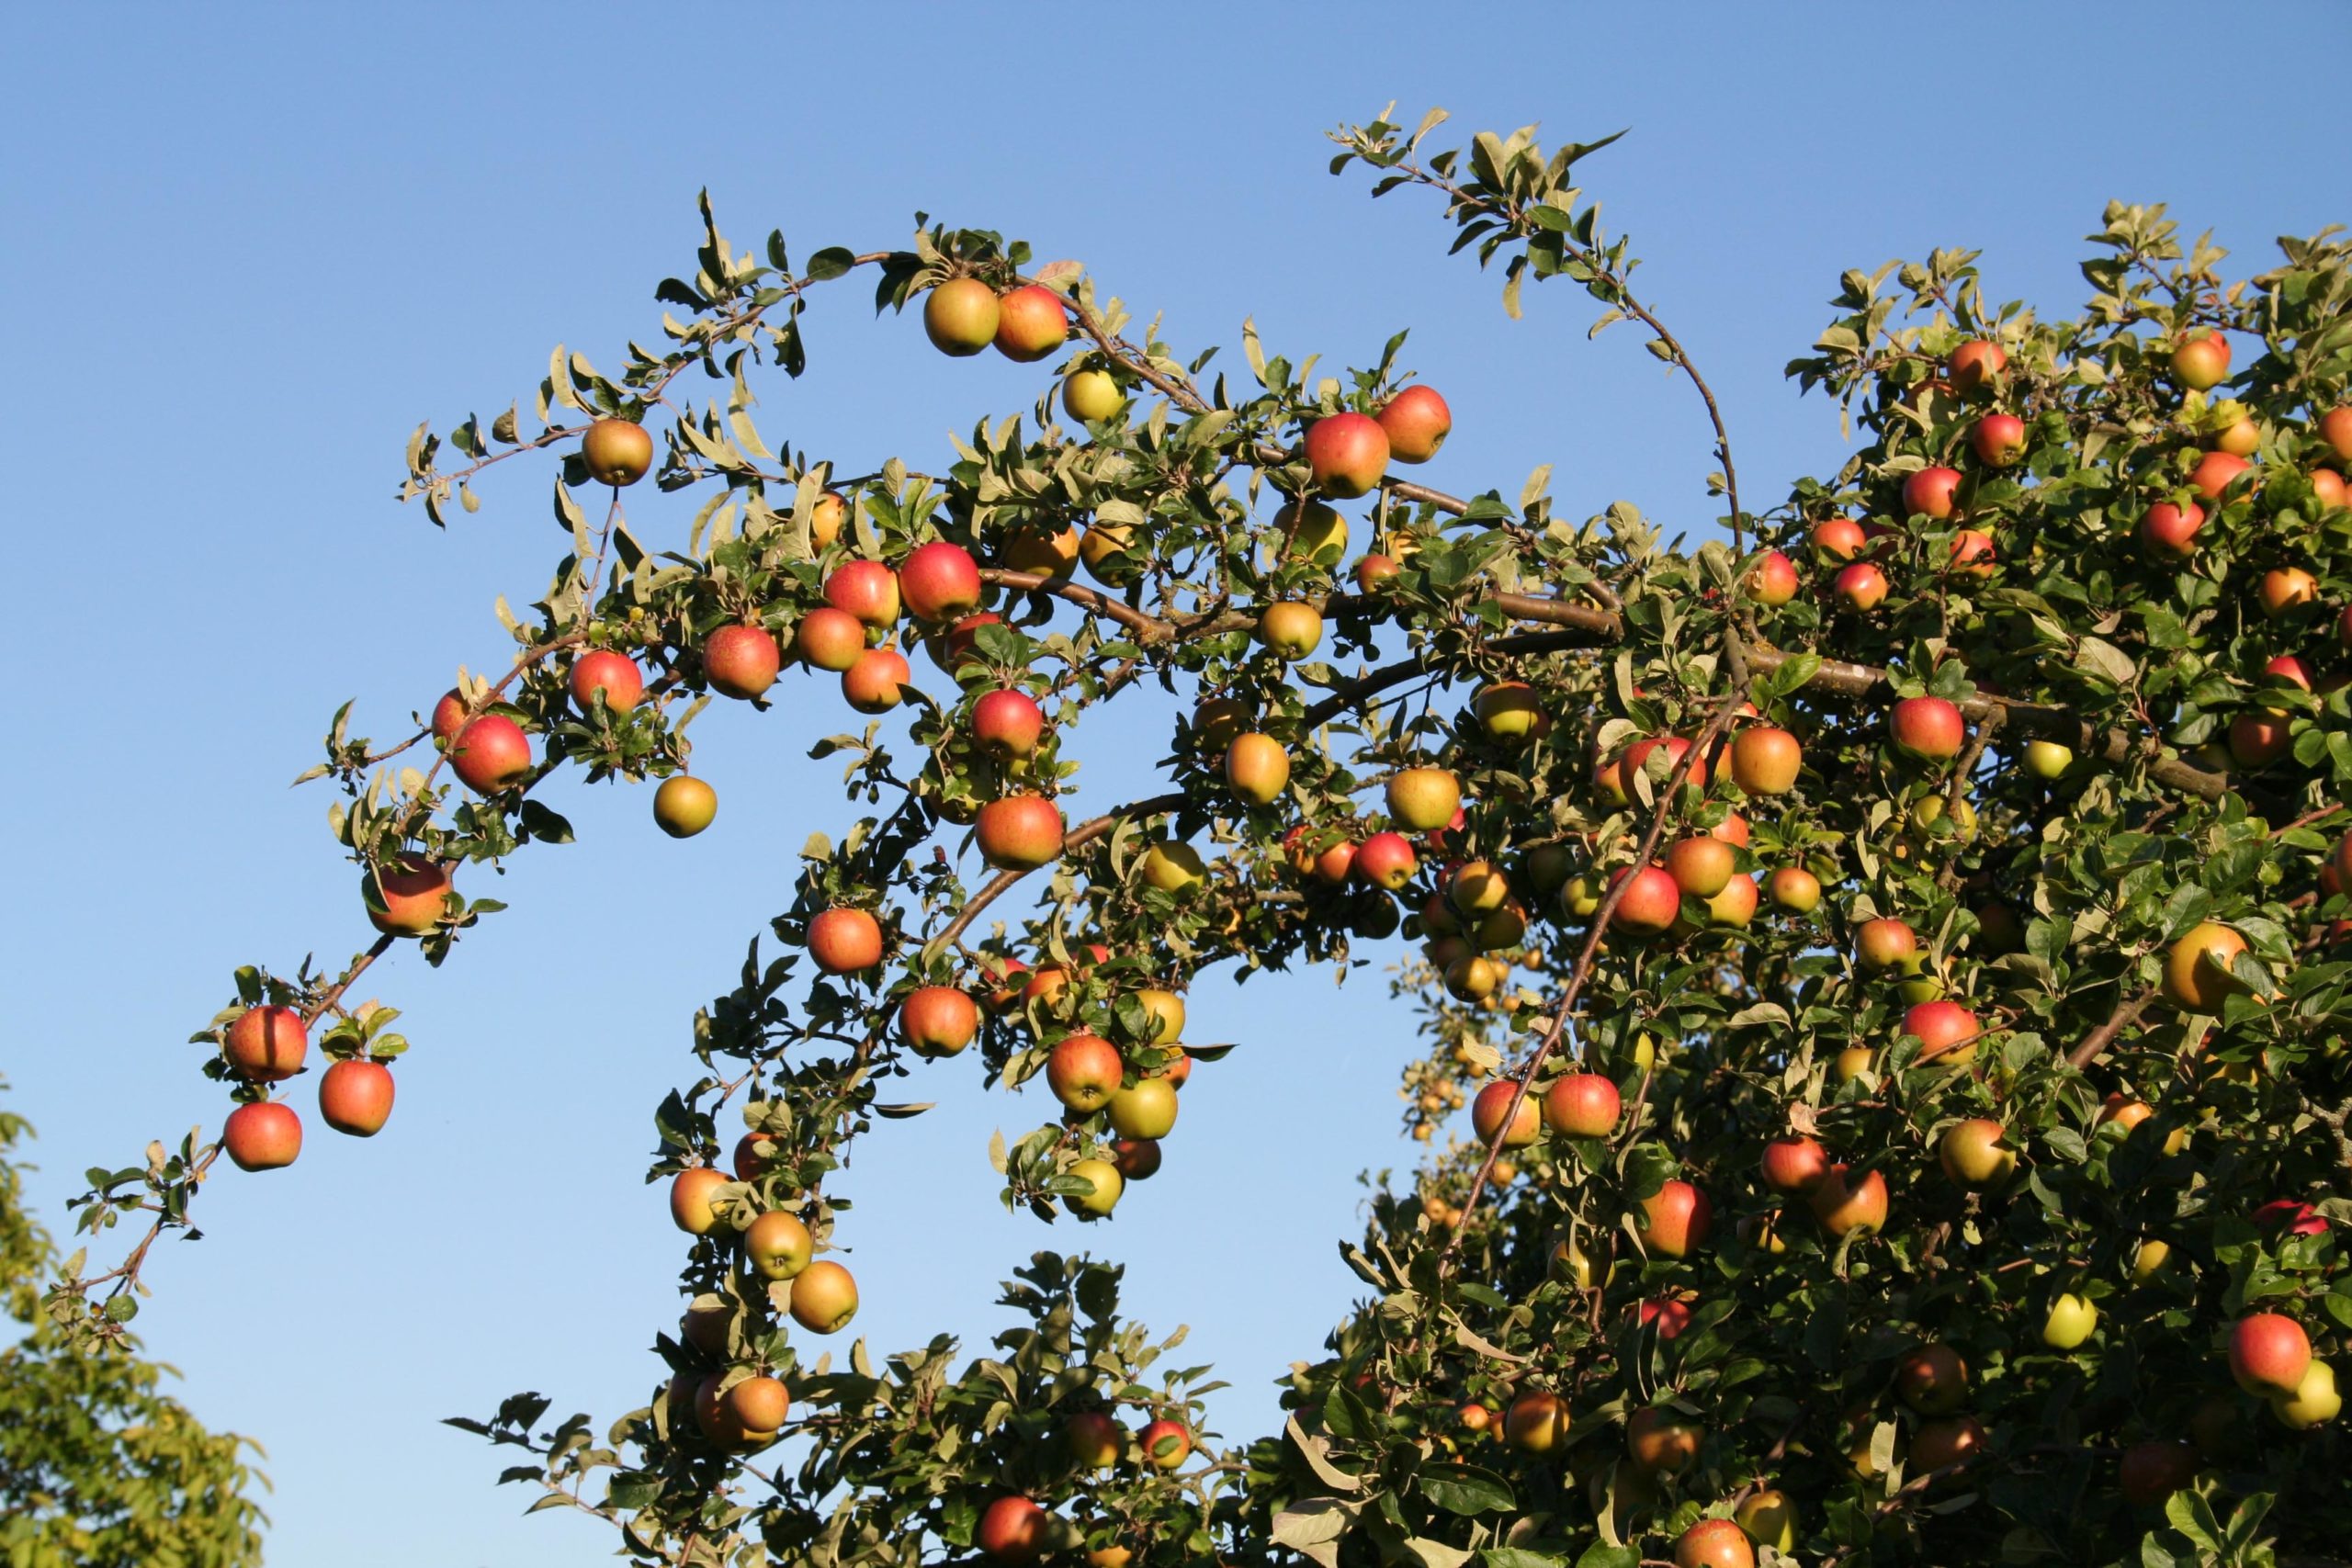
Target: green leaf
pixel 1465 1489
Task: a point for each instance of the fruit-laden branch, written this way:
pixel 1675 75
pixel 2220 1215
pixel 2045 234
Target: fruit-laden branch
pixel 1086 832
pixel 1668 795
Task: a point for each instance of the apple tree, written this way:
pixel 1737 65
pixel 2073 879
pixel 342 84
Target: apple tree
pixel 1891 953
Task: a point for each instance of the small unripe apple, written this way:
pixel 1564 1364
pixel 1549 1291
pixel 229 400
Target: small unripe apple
pixel 1769 1519
pixel 1091 396
pixel 2047 760
pixel 1999 440
pixel 601 672
pixel 1861 587
pixel 1417 423
pixel 491 754
pixel 1347 454
pixel 355 1097
pixel 844 941
pixel 617 451
pixel 265 1136
pixel 1509 710
pixel 1030 323
pixel 1019 832
pixel 684 805
pixel 1173 866
pixel 2315 1402
pixel 740 660
pixel 1932 492
pixel 960 317
pixel 2070 1321
pixel 824 1297
pixel 266 1043
pixel 1146 1109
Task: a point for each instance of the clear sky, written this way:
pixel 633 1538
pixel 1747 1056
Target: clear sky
pixel 249 248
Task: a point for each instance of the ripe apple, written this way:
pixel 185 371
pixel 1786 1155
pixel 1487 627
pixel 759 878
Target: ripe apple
pixel 869 590
pixel 355 1097
pixel 693 1208
pixel 1947 1031
pixel 960 317
pixel 1147 1109
pixel 617 451
pixel 490 755
pixel 684 805
pixel 2269 1353
pixel 1375 571
pixel 2214 472
pixel 1476 887
pixel 1420 799
pixel 1417 423
pixel 1048 551
pixel 1091 397
pixel 1166 1444
pixel 1013 1529
pixel 1765 760
pixel 1886 943
pixel 825 519
pixel 1845 1204
pixel 1999 440
pixel 2198 977
pixel 2314 1401
pixel 1731 829
pixel 1928 727
pixel 1769 1518
pixel 759 1407
pixel 1084 1071
pixel 877 681
pixel 1290 629
pixel 1661 1441
pixel 1794 889
pixel 824 1297
pixel 1861 587
pixel 952 645
pixel 2070 1321
pixel 1173 867
pixel 1673 748
pixel 1974 554
pixel 1675 1220
pixel 1319 535
pixel 1019 832
pixel 1216 722
pixel 1108 1185
pixel 2336 429
pixel 1932 1379
pixel 777 1245
pixel 2170 530
pixel 1939 1444
pixel 740 660
pixel 1509 710
pixel 1347 454
pixel 1031 324
pixel 1931 493
pixel 1334 863
pixel 826 638
pixel 1582 1105
pixel 1701 867
pixel 1007 722
pixel 749 1164
pixel 1652 901
pixel 2259 740
pixel 409 900
pixel 1975 365
pixel 938 1020
pixel 2154 1471
pixel 2328 489
pixel 1794 1164
pixel 1257 768
pixel 1713 1544
pixel 938 581
pixel 1386 860
pixel 844 941
pixel 263 1135
pixel 266 1043
pixel 1536 1422
pixel 1840 538
pixel 2287 588
pixel 1772 580
pixel 601 672
pixel 1489 1110
pixel 1471 979
pixel 2201 361
pixel 1092 1439
pixel 1975 1154
pixel 1137 1158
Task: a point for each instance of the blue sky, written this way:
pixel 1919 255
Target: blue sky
pixel 250 248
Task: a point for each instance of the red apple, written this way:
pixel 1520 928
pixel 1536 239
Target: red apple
pixel 1019 832
pixel 1883 943
pixel 1926 728
pixel 2169 530
pixel 1974 554
pixel 613 676
pixel 1166 1444
pixel 1582 1105
pixel 2214 471
pixel 741 661
pixel 617 451
pixel 1013 1529
pixel 1347 454
pixel 1765 760
pixel 1794 1164
pixel 1488 1111
pixel 1417 423
pixel 1375 572
pixel 1701 867
pixel 826 638
pixel 490 755
pixel 2328 489
pixel 949 649
pixel 938 1020
pixel 1675 1220
pixel 1084 1071
pixel 2202 360
pixel 356 1096
pixel 262 1137
pixel 939 582
pixel 410 899
pixel 2268 1354
pixel 844 941
pixel 1652 903
pixel 2336 429
pixel 867 590
pixel 1840 537
pixel 1931 493
pixel 1861 587
pixel 1386 860
pixel 1008 723
pixel 1030 323
pixel 267 1043
pixel 1845 1203
pixel 1999 440
pixel 1944 1029
pixel 1974 365
pixel 876 682
pixel 1675 747
pixel 1772 580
